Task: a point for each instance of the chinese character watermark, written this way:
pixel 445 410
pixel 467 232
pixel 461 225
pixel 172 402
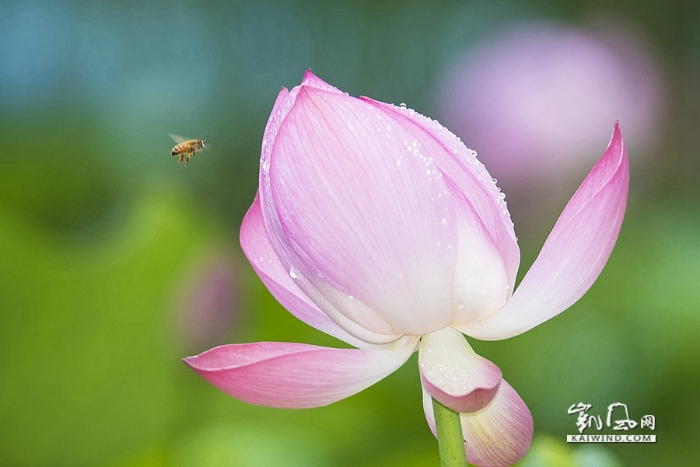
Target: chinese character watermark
pixel 585 420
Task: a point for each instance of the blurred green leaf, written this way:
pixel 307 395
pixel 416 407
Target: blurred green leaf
pixel 87 367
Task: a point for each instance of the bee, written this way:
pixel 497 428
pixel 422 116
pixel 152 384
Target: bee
pixel 186 148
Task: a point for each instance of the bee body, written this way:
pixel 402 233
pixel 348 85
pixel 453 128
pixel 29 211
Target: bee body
pixel 186 148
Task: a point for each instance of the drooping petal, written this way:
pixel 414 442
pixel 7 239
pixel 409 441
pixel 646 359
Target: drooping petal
pixel 258 249
pixel 454 374
pixel 574 254
pixel 362 214
pixel 496 436
pixel 290 375
pixel 469 175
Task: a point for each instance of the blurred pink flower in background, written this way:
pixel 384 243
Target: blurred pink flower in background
pixel 208 308
pixel 535 101
pixel 376 225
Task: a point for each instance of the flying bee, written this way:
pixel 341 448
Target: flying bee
pixel 186 148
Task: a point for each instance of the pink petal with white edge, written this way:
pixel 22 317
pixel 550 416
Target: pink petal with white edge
pixel 574 254
pixel 364 212
pixel 289 375
pixel 454 374
pixel 498 435
pixel 258 249
pixel 461 166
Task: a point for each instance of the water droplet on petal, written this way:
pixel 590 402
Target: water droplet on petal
pixel 293 273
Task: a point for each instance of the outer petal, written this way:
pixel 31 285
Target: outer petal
pixel 258 249
pixel 468 174
pixel 496 436
pixel 573 255
pixel 453 374
pixel 362 214
pixel 285 375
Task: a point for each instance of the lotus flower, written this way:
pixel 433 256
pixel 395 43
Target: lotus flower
pixel 376 225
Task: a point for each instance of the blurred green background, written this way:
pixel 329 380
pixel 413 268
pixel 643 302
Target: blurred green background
pixel 116 262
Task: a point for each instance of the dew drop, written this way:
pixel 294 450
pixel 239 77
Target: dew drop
pixel 293 273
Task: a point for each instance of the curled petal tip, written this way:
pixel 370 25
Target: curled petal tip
pixel 311 80
pixel 308 76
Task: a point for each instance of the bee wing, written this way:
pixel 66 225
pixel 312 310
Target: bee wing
pixel 178 139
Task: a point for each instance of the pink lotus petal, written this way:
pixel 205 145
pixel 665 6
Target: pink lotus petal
pixel 481 284
pixel 575 252
pixel 461 166
pixel 314 81
pixel 285 375
pixel 349 186
pixel 453 374
pixel 258 249
pixel 496 436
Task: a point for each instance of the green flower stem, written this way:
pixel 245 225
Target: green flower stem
pixel 449 435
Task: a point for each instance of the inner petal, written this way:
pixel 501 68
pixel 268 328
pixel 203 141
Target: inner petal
pixel 481 285
pixel 454 374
